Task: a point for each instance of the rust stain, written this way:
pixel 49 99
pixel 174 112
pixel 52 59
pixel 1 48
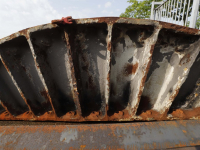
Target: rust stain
pixel 6 116
pixel 178 28
pixel 94 116
pixel 134 110
pixel 25 33
pixel 184 131
pixel 74 81
pixel 23 97
pixel 109 46
pixel 120 115
pixel 26 116
pixel 46 95
pixel 130 69
pixel 186 114
pixel 152 114
pixel 185 59
pixel 47 116
pixel 72 115
pixel 5 65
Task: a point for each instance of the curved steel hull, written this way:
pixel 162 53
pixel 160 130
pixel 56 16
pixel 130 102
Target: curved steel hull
pixel 101 69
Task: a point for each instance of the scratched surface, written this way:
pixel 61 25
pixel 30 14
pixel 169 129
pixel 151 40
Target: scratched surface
pixel 126 136
pixel 101 69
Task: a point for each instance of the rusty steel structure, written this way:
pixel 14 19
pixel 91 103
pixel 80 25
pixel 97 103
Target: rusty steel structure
pixel 101 69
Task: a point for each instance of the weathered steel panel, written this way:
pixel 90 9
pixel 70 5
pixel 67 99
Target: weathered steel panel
pixel 89 50
pixel 127 136
pixel 100 69
pixel 9 95
pixel 131 56
pixel 17 58
pixel 53 60
pixel 174 54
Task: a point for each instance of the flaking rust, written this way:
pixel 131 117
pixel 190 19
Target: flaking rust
pixel 100 69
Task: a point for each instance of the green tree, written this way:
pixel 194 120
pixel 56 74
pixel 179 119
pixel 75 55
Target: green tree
pixel 198 22
pixel 138 9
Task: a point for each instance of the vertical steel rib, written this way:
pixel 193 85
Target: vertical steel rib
pixel 145 62
pixel 108 69
pixel 71 74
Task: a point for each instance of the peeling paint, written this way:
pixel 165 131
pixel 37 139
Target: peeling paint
pixel 100 69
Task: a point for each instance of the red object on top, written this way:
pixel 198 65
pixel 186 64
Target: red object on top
pixel 67 20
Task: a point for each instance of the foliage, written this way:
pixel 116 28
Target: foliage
pixel 138 9
pixel 198 22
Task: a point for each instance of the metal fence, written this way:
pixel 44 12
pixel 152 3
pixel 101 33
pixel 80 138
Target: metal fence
pixel 181 12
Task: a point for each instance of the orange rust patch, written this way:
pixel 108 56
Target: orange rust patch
pixel 184 131
pixel 186 114
pixel 109 46
pixel 95 115
pixel 26 116
pixel 71 115
pixel 47 116
pixel 123 115
pixel 6 116
pixel 25 33
pixel 185 59
pixel 178 113
pixel 130 69
pixel 154 115
pixel 33 129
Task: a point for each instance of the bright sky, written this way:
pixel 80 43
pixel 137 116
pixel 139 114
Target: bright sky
pixel 16 15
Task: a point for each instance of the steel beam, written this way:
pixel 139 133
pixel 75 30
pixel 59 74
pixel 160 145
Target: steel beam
pixel 128 136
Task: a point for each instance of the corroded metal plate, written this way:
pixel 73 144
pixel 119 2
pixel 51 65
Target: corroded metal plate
pixel 127 136
pixel 101 69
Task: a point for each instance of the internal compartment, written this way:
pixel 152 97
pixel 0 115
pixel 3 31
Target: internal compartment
pixel 9 95
pixel 187 102
pixel 52 56
pixel 173 55
pixel 129 60
pixel 18 58
pixel 90 57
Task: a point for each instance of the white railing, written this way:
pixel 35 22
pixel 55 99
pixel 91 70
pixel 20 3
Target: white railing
pixel 181 12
